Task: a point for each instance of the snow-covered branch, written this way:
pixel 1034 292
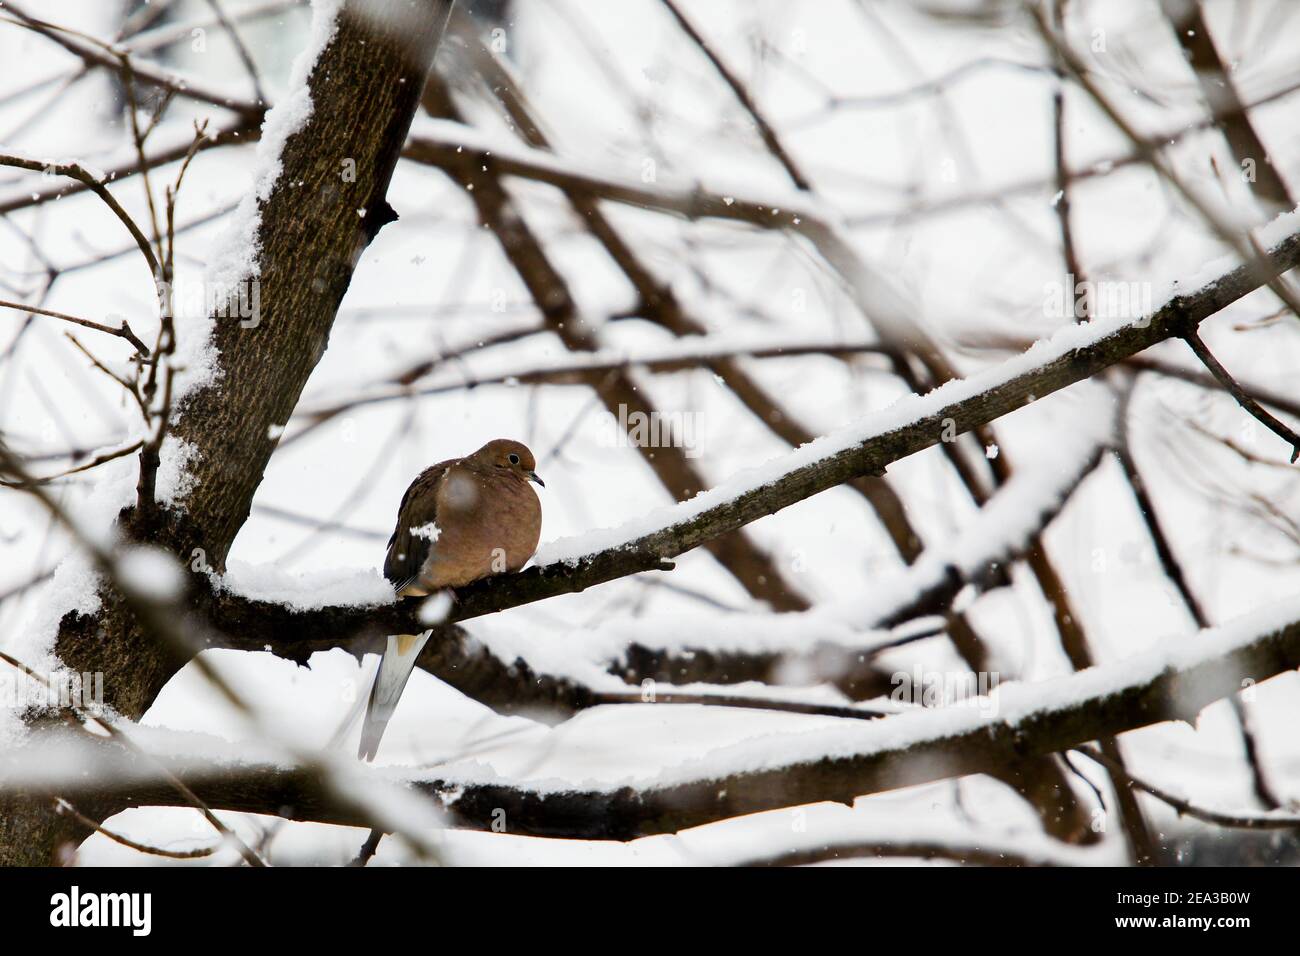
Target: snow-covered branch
pixel 837 641
pixel 1174 680
pixel 867 447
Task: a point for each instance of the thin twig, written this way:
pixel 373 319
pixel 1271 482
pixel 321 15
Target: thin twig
pixel 64 807
pixel 1245 821
pixel 129 387
pixel 122 332
pixel 235 133
pixel 1245 454
pixel 738 89
pixel 98 460
pixel 138 138
pixel 79 173
pixel 245 57
pixel 745 703
pixel 1243 398
pixel 95 52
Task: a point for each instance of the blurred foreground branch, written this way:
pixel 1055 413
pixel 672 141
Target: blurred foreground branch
pixel 1175 680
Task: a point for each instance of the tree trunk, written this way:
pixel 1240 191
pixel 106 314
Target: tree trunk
pixel 318 219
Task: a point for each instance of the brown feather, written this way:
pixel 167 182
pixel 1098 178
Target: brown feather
pixel 488 521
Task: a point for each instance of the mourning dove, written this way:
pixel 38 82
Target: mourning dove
pixel 461 520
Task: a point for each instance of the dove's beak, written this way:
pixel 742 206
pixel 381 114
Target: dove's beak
pixel 532 476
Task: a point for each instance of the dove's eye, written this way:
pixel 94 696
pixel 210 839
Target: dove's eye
pixel 514 459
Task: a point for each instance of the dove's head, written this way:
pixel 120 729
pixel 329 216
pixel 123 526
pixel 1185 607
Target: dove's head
pixel 506 455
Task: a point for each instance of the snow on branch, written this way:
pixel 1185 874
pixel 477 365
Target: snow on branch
pixel 837 641
pixel 866 447
pixel 1002 531
pixel 1175 679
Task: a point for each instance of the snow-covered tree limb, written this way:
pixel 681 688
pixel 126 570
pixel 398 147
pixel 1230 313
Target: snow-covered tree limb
pixel 867 447
pixel 1175 680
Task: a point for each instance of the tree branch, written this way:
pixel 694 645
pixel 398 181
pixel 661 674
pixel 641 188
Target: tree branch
pixel 1174 680
pixel 911 425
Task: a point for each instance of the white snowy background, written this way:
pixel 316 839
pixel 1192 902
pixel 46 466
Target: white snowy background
pixel 618 85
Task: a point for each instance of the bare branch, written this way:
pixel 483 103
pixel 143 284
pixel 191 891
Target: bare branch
pixel 62 806
pixel 122 332
pixel 1244 399
pixel 79 173
pixel 97 53
pixel 1245 821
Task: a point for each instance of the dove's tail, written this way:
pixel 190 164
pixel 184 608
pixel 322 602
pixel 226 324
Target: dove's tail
pixel 394 670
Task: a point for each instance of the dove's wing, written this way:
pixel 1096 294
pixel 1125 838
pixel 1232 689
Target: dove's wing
pixel 407 551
